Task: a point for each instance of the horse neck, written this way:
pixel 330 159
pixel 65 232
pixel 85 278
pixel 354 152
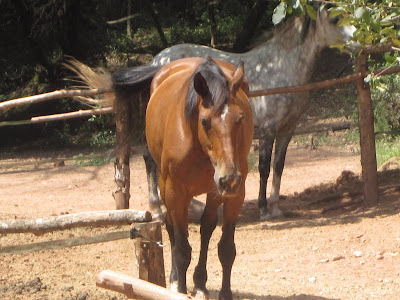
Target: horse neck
pixel 288 51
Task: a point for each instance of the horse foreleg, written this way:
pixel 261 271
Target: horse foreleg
pixel 208 222
pixel 173 277
pixel 177 203
pixel 281 146
pixel 152 183
pixel 180 256
pixel 264 164
pixel 183 254
pixel 226 245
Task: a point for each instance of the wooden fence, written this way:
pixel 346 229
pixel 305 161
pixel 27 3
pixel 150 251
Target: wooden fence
pixel 148 247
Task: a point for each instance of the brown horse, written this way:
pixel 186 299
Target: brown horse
pixel 199 130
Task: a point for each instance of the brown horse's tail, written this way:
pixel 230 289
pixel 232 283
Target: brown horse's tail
pixel 121 84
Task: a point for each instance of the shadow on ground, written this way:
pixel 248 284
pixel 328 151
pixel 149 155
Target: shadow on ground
pixel 338 202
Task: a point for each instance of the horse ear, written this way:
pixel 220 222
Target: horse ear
pixel 201 88
pixel 237 78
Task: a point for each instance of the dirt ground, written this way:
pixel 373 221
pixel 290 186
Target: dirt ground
pixel 326 247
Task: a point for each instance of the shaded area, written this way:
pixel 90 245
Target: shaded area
pixel 337 202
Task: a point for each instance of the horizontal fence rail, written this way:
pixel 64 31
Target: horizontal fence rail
pixel 83 219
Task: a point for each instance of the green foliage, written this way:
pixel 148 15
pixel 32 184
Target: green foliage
pixel 375 21
pixel 105 138
pixel 386 149
pixel 91 160
pixel 387 105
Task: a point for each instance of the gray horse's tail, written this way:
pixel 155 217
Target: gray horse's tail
pixel 121 84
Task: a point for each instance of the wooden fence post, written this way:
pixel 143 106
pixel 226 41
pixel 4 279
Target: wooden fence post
pixel 149 256
pixel 123 114
pixel 367 135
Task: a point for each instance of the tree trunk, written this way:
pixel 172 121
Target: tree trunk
pixel 367 135
pixel 128 22
pixel 70 41
pixel 27 24
pixel 250 24
pixel 213 23
pixel 157 24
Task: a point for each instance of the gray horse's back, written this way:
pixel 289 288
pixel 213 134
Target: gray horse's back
pixel 191 50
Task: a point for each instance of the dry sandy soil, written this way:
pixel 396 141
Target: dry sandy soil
pixel 326 247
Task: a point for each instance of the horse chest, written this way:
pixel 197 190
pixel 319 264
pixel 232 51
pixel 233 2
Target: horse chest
pixel 196 174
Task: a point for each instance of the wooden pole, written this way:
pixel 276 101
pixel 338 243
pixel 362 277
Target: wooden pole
pixel 323 84
pixel 49 96
pixel 149 256
pixel 135 288
pixel 367 136
pixel 91 218
pixel 64 243
pixel 123 114
pixel 71 115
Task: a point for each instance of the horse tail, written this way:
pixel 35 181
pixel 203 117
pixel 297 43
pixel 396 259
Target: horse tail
pixel 133 82
pixel 90 79
pixel 118 85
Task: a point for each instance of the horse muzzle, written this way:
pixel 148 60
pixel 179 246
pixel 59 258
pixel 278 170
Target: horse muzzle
pixel 228 184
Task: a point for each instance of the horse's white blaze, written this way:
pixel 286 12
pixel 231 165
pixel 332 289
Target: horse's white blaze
pixel 225 111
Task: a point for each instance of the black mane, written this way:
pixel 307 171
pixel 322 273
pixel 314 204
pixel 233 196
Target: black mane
pixel 217 84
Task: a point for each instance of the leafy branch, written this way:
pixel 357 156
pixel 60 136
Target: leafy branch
pixel 375 23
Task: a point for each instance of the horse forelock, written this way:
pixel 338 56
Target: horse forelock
pixel 217 84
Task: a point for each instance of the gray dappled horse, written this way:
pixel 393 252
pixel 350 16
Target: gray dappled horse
pixel 286 58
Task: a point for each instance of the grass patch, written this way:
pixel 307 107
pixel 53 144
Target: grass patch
pixel 385 150
pixel 81 160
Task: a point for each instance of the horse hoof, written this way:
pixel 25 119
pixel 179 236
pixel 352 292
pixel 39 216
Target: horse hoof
pixel 266 216
pixel 225 295
pixel 174 286
pixel 200 294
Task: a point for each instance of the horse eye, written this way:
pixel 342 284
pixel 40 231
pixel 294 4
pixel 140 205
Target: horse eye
pixel 206 123
pixel 239 120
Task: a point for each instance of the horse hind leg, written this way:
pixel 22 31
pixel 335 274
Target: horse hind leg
pixel 281 146
pixel 265 151
pixel 155 202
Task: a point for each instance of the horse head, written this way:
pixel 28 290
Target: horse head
pixel 329 31
pixel 219 122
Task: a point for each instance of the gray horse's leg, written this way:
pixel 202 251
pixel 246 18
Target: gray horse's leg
pixel 265 151
pixel 152 183
pixel 281 145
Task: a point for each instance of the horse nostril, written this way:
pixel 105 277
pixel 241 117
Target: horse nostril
pixel 230 183
pixel 222 182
